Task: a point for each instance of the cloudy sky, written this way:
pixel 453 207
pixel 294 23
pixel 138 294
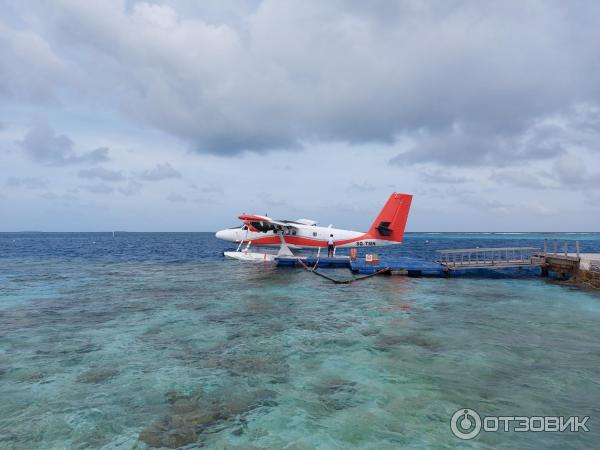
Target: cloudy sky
pixel 178 116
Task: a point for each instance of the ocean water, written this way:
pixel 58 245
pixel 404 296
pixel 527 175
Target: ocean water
pixel 153 339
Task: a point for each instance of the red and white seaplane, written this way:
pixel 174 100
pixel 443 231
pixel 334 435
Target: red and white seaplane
pixel 387 229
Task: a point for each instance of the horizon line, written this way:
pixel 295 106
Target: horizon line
pixel 214 231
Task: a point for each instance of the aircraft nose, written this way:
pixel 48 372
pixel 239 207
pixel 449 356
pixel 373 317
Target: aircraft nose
pixel 221 234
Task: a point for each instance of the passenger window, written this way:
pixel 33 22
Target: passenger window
pixel 314 233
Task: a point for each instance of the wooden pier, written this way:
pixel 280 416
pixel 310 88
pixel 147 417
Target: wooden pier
pixel 563 263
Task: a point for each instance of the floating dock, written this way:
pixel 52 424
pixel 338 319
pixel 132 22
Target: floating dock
pixel 567 265
pixel 395 266
pixel 448 261
pixel 338 262
pixel 414 267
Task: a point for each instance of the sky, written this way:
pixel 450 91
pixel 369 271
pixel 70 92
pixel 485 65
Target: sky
pixel 181 115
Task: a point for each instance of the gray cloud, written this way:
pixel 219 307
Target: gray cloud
pixel 179 198
pixel 292 72
pixel 29 69
pixel 592 199
pixel 208 189
pixel 490 102
pixel 212 189
pixel 269 200
pixel 131 188
pixel 160 172
pixel 445 192
pixel 102 174
pixel 460 147
pixel 49 196
pixel 524 179
pixel 45 147
pixel 98 188
pixel 361 187
pixel 174 197
pixel 568 172
pixel 572 171
pixel 52 196
pixel 441 176
pixel 26 182
pixel 506 208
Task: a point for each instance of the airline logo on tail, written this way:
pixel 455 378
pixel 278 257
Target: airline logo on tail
pixel 391 221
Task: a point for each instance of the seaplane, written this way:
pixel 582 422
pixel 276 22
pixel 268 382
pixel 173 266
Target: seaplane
pixel 387 229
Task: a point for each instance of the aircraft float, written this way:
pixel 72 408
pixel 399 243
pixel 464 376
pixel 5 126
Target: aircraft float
pixel 387 229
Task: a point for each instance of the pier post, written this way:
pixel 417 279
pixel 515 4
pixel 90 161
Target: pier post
pixel 545 247
pixel 555 247
pixel 577 247
pixel 565 247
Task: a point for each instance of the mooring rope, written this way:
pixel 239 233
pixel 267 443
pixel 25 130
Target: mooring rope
pixel 352 280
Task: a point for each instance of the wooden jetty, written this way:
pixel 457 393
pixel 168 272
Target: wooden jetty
pixel 581 267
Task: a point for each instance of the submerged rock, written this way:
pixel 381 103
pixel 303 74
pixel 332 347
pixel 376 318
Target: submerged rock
pixel 385 342
pixel 34 376
pixel 184 405
pixel 188 415
pixel 97 375
pixel 179 426
pixel 369 331
pixel 189 409
pixel 424 342
pixel 332 385
pixel 170 431
pixel 337 393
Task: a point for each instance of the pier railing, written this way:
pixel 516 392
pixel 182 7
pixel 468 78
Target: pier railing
pixel 477 258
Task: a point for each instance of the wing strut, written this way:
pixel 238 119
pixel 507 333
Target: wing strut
pixel 284 250
pixel 242 241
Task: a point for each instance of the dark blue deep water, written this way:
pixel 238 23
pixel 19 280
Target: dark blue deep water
pixel 188 247
pixel 153 339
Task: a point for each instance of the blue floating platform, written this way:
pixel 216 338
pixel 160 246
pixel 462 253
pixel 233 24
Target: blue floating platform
pixel 411 266
pixel 310 261
pixel 398 265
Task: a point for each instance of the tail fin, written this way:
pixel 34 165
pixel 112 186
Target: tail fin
pixel 391 221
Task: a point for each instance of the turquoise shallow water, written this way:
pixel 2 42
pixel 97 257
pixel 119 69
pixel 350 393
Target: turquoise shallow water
pixel 102 343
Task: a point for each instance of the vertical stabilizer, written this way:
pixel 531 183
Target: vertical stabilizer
pixel 391 221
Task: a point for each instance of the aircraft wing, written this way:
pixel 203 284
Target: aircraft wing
pixel 264 223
